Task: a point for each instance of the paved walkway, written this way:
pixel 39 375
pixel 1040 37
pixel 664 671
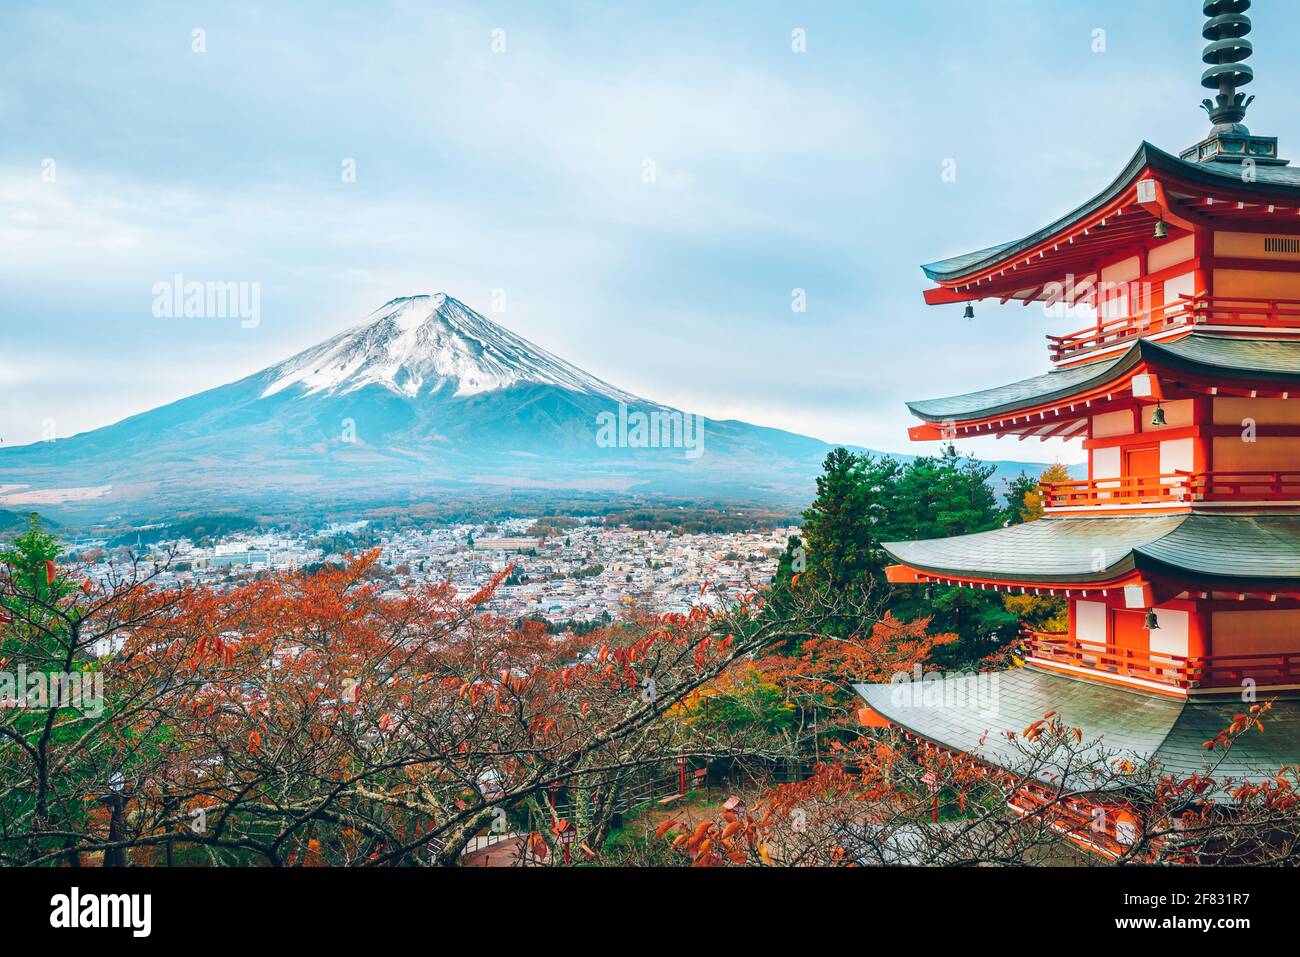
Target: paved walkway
pixel 503 851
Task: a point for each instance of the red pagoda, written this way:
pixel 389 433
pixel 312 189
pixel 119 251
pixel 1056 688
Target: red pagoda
pixel 1179 554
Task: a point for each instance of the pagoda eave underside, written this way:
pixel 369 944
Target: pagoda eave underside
pixel 1246 556
pixel 1154 186
pixel 1057 404
pixel 1155 586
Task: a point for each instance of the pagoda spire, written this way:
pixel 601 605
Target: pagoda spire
pixel 1229 141
pixel 1226 28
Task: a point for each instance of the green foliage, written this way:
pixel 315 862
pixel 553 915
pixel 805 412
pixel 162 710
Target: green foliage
pixel 41 638
pixel 578 626
pixel 27 556
pixel 747 701
pixel 840 528
pixel 1019 487
pixel 198 528
pixel 28 562
pixel 863 501
pixel 755 703
pixel 943 495
pixel 785 564
pixel 939 497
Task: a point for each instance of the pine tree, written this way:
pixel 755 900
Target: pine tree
pixel 943 495
pixel 792 562
pixel 840 547
pixel 1018 491
pixel 938 497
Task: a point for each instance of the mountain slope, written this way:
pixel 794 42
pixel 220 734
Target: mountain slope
pixel 425 397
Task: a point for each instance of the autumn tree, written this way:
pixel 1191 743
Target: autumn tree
pixel 884 800
pixel 1038 612
pixel 81 715
pixel 1032 505
pixel 320 718
pixel 1017 489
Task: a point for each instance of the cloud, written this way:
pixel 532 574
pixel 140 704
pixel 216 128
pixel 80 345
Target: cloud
pixel 524 171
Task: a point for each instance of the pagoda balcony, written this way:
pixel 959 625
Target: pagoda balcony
pixel 1188 311
pixel 1173 488
pixel 1175 671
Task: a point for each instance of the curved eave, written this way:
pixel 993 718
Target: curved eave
pixel 1075 381
pixel 987 720
pixel 1234 359
pixel 1209 549
pixel 957 268
pixel 1219 360
pixel 1272 182
pixel 1260 550
pixel 1115 576
pixel 1050 551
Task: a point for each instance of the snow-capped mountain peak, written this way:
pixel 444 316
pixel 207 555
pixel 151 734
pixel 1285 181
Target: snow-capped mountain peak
pixel 415 345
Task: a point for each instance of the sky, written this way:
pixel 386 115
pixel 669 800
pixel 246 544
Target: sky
pixel 640 189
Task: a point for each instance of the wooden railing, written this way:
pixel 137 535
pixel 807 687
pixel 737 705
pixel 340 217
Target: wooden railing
pixel 1174 487
pixel 1186 311
pixel 1210 671
pixel 1126 490
pixel 1060 649
pixel 1251 486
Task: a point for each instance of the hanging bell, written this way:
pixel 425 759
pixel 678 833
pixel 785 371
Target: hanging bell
pixel 1153 620
pixel 969 312
pixel 1158 417
pixel 1162 231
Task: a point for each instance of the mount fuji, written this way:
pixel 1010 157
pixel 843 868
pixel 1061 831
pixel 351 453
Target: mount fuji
pixel 424 398
pixel 422 345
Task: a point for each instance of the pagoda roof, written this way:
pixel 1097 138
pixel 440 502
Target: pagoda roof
pixel 1206 546
pixel 1275 181
pixel 1170 731
pixel 1203 353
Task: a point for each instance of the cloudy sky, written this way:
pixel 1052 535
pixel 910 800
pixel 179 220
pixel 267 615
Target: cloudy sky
pixel 504 147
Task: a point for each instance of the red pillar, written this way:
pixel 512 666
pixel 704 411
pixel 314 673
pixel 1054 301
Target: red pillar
pixel 1203 276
